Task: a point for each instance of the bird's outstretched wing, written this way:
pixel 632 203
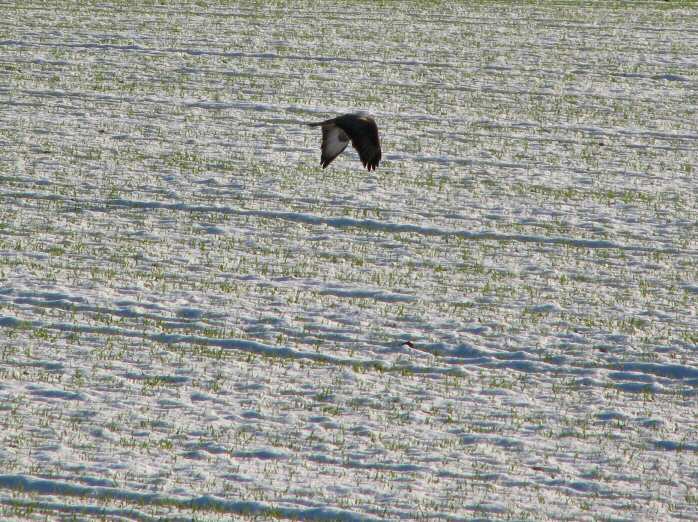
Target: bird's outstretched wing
pixel 363 132
pixel 361 129
pixel 334 141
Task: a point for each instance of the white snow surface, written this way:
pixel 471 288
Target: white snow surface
pixel 198 322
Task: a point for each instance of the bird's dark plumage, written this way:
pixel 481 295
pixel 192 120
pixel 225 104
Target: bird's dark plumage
pixel 360 129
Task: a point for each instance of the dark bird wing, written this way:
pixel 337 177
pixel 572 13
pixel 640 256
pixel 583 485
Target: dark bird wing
pixel 363 132
pixel 360 129
pixel 334 141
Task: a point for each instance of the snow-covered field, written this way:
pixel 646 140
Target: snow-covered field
pixel 197 321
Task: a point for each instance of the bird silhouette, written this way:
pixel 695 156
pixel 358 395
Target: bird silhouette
pixel 360 129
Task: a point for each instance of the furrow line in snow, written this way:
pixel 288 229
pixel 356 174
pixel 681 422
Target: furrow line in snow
pixel 453 365
pixel 40 486
pixel 595 132
pixel 230 343
pixel 226 54
pixel 91 510
pixel 345 222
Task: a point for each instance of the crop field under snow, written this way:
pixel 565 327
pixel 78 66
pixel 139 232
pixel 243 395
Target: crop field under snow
pixel 198 322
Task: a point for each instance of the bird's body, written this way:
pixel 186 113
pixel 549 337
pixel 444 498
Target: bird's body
pixel 360 129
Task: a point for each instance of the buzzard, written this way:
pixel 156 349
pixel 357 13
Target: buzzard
pixel 360 128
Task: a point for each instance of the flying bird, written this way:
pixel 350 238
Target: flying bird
pixel 360 128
